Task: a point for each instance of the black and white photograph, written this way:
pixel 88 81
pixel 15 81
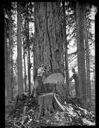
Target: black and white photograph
pixel 49 61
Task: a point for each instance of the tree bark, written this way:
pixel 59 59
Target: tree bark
pixel 6 63
pixel 48 47
pixel 34 57
pixel 45 105
pixel 8 60
pixel 81 52
pixel 49 36
pixel 11 53
pixel 66 56
pixel 29 73
pixel 88 85
pixel 25 71
pixel 28 47
pixel 7 69
pixel 19 50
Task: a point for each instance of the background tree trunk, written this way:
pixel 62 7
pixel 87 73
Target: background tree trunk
pixel 29 73
pixel 8 56
pixel 65 45
pixel 19 50
pixel 25 72
pixel 81 51
pixel 28 49
pixel 88 85
pixel 34 43
pixel 11 56
pixel 6 59
pixel 7 70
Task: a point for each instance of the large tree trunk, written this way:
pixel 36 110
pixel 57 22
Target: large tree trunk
pixel 19 50
pixel 48 36
pixel 81 52
pixel 48 47
pixel 88 85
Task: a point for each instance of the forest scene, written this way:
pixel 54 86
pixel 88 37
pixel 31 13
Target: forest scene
pixel 49 50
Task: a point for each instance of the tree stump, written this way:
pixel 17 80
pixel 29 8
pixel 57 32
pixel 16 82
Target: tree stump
pixel 50 86
pixel 48 104
pixel 55 81
pixel 45 102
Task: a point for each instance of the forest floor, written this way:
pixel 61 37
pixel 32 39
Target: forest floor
pixel 21 113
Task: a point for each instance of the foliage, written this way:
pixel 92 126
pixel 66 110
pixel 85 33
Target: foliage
pixel 26 108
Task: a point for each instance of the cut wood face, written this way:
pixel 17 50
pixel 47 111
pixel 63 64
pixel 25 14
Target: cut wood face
pixel 55 78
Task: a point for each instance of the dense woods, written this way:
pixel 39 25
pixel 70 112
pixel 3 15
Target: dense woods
pixel 50 54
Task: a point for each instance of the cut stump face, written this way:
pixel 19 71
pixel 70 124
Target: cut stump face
pixel 57 81
pixel 55 78
pixel 48 104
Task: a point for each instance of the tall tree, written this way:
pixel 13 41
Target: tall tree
pixel 28 47
pixel 65 45
pixel 34 43
pixel 19 50
pixel 8 54
pixel 11 51
pixel 7 66
pixel 88 85
pixel 81 51
pixel 25 76
pixel 48 35
pixel 48 44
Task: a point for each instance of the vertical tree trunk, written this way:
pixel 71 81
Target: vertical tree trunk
pixel 48 36
pixel 7 70
pixel 81 52
pixel 28 47
pixel 88 85
pixel 34 58
pixel 11 53
pixel 29 73
pixel 25 72
pixel 19 50
pixel 65 45
pixel 8 60
pixel 6 63
pixel 48 49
